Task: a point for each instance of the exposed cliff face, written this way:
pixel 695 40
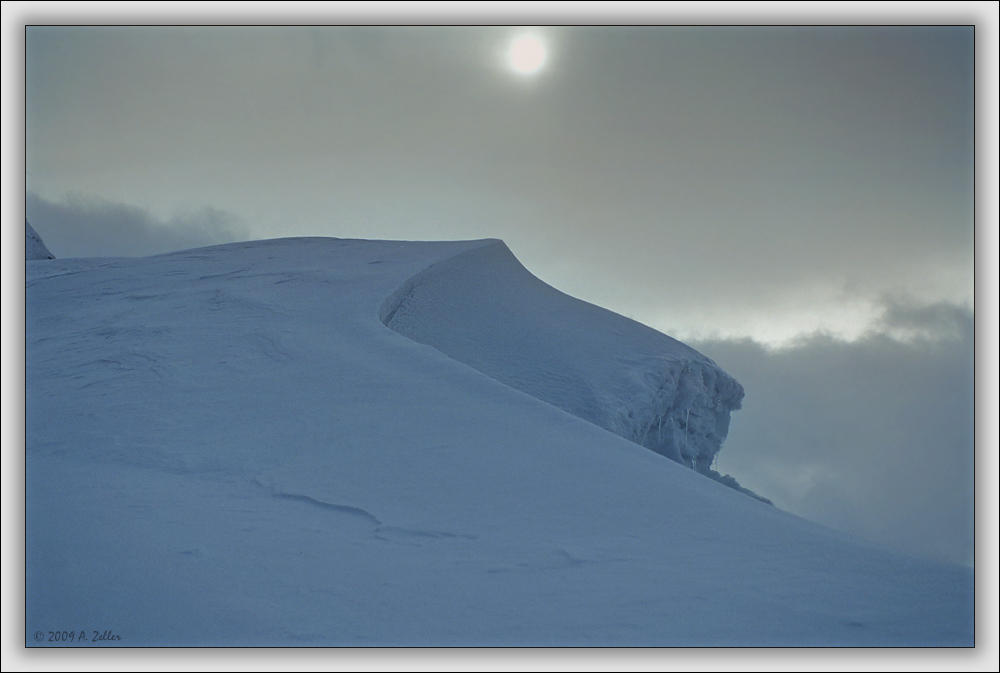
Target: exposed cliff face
pixel 34 248
pixel 597 365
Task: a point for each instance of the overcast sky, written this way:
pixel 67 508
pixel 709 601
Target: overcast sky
pixel 797 202
pixel 731 181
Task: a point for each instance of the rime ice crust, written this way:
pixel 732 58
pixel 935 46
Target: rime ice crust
pixel 483 308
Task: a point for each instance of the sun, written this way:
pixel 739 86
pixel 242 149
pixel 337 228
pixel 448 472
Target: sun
pixel 526 54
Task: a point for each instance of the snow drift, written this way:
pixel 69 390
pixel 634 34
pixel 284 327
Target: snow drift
pixel 485 309
pixel 227 446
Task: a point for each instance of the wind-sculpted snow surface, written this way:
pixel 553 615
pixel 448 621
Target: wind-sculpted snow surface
pixel 485 309
pixel 225 446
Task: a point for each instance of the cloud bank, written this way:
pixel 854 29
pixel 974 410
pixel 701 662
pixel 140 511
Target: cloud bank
pixel 93 227
pixel 874 437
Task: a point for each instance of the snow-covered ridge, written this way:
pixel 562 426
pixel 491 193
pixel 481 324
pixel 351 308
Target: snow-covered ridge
pixel 226 446
pixel 483 308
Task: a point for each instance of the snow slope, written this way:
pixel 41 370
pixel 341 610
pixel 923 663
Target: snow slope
pixel 34 248
pixel 227 446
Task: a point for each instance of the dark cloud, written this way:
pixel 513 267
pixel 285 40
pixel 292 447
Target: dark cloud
pixel 92 227
pixel 874 437
pixel 907 319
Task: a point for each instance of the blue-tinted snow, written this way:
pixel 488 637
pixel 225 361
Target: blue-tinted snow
pixel 227 446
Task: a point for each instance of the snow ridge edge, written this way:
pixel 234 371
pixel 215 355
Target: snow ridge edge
pixel 481 307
